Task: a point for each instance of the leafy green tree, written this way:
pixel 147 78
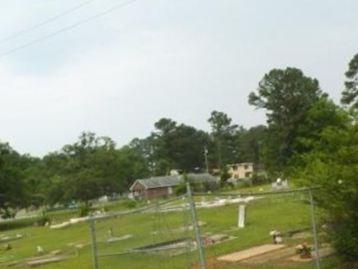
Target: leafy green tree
pixel 286 95
pixel 188 146
pixel 350 92
pixel 173 146
pixel 250 143
pixel 32 171
pixel 132 166
pixel 323 114
pixel 89 168
pixel 12 187
pixel 161 144
pixel 144 148
pixel 333 166
pixel 223 133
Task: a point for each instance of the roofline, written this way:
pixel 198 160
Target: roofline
pixel 134 183
pixel 241 163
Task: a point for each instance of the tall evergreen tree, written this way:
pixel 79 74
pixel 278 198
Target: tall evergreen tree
pixel 286 95
pixel 350 92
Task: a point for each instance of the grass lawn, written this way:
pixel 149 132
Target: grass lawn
pixel 283 212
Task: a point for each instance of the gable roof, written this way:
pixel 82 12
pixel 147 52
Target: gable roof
pixel 158 182
pixel 201 178
pixel 171 181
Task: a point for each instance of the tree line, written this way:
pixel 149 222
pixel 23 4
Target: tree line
pixel 93 166
pixel 307 137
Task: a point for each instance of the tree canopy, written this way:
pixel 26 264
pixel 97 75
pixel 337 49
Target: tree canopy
pixel 12 190
pixel 350 92
pixel 333 166
pixel 287 95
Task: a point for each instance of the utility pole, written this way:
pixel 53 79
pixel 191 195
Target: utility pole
pixel 206 159
pixel 219 152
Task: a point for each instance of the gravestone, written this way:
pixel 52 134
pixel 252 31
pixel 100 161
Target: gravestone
pixel 241 218
pixel 280 184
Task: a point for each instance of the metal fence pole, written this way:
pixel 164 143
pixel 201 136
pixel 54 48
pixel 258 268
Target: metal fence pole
pixel 94 244
pixel 196 227
pixel 314 229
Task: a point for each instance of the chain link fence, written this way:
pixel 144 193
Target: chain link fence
pixel 212 230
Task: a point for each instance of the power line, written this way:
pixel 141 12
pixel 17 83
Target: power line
pixel 39 25
pixel 67 28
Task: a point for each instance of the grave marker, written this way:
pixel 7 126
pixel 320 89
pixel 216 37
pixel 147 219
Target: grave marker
pixel 241 218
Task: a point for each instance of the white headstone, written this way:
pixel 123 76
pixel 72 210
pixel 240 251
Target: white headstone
pixel 40 250
pixel 241 219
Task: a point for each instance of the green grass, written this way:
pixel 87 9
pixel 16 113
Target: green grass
pixel 283 212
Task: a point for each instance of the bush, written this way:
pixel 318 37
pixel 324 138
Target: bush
pixel 7 213
pixel 180 189
pixel 130 203
pixel 244 183
pixel 260 178
pixel 345 239
pixel 84 209
pixel 43 219
pixel 333 166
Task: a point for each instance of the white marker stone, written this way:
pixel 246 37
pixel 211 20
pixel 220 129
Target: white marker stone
pixel 241 219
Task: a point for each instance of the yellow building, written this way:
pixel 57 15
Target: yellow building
pixel 241 170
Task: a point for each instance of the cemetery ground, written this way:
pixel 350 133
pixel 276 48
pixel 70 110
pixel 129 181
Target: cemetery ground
pixel 288 214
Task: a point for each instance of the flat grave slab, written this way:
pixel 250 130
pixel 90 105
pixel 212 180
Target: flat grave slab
pixel 251 252
pixel 271 256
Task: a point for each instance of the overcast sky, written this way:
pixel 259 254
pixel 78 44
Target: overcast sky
pixel 181 59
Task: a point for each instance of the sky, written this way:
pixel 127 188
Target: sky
pixel 119 73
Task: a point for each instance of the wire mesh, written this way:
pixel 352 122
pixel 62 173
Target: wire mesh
pixel 278 229
pixel 159 234
pixel 162 233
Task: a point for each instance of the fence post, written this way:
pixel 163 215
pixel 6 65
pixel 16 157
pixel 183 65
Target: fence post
pixel 314 229
pixel 196 227
pixel 94 243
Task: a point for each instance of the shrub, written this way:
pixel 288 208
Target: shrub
pixel 130 203
pixel 345 239
pixel 260 178
pixel 180 189
pixel 84 209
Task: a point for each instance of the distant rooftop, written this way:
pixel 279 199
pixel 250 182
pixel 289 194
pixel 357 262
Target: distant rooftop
pixel 171 181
